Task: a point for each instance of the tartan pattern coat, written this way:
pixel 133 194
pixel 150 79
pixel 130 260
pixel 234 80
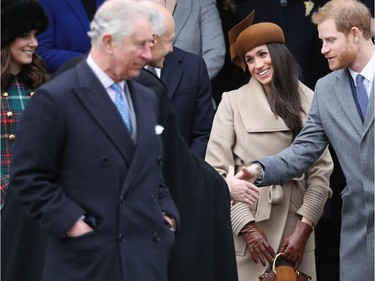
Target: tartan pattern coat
pixel 13 103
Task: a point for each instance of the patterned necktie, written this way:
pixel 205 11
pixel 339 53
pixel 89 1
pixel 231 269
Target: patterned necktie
pixel 122 106
pixel 151 69
pixel 361 94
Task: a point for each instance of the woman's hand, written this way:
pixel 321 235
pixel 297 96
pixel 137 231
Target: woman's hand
pixel 256 241
pixel 294 245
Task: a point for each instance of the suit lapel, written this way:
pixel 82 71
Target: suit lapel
pixel 369 118
pixel 97 102
pixel 342 90
pixel 145 128
pixel 80 12
pixel 182 12
pixel 257 110
pixel 171 73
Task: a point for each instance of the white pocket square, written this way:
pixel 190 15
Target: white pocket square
pixel 159 129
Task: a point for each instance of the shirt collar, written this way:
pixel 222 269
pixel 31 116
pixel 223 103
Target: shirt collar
pixel 101 75
pixel 368 71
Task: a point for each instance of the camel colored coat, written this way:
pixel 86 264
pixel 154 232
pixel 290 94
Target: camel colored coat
pixel 245 129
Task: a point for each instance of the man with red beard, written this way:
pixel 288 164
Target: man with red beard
pixel 342 115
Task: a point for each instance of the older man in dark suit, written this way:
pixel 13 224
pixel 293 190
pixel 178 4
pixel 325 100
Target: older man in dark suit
pixel 186 78
pixel 90 178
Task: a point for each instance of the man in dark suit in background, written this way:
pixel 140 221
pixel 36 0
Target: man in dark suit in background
pixel 90 179
pixel 189 88
pixel 186 78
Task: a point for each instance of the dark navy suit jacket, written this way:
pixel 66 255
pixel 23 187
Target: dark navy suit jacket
pixel 189 88
pixel 73 156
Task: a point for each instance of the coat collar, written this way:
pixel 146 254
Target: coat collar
pixel 342 90
pixel 255 111
pixel 172 71
pixel 97 102
pixel 99 105
pixel 144 111
pixel 369 118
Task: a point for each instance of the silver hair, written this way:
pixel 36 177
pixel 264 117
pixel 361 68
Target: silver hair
pixel 115 17
pixel 156 18
pixel 157 21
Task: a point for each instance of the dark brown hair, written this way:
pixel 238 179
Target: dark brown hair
pixel 32 75
pixel 285 99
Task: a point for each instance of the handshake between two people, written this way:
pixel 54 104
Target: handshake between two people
pixel 241 185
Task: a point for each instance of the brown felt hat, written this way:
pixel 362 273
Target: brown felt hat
pixel 245 36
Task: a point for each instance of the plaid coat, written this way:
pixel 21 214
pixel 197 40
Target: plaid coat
pixel 13 102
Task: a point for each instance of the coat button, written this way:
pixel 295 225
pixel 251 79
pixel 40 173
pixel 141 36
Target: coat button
pixel 160 160
pixel 12 137
pixel 5 94
pixel 121 238
pixel 122 200
pixel 156 237
pixel 32 93
pixel 104 161
pixel 9 113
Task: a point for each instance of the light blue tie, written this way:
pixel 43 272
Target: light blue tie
pixel 361 94
pixel 122 106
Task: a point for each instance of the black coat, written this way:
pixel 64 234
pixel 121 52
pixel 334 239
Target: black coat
pixel 189 89
pixel 204 247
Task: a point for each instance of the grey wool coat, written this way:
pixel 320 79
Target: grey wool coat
pixel 334 119
pixel 198 31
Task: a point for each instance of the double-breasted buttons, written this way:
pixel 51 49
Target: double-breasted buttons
pixel 105 161
pixel 10 114
pixel 31 93
pixel 160 160
pixel 156 237
pixel 121 238
pixel 12 137
pixel 5 94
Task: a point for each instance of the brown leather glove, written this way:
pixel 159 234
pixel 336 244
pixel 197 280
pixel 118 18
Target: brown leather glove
pixel 257 243
pixel 294 245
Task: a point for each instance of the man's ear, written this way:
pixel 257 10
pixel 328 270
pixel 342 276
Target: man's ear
pixel 356 33
pixel 154 40
pixel 108 42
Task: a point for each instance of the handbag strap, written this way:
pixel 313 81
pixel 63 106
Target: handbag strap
pixel 305 276
pixel 274 262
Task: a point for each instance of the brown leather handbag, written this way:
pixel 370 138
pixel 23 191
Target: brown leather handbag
pixel 281 270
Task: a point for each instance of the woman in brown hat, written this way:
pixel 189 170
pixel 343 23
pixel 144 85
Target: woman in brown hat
pixel 259 119
pixel 22 70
